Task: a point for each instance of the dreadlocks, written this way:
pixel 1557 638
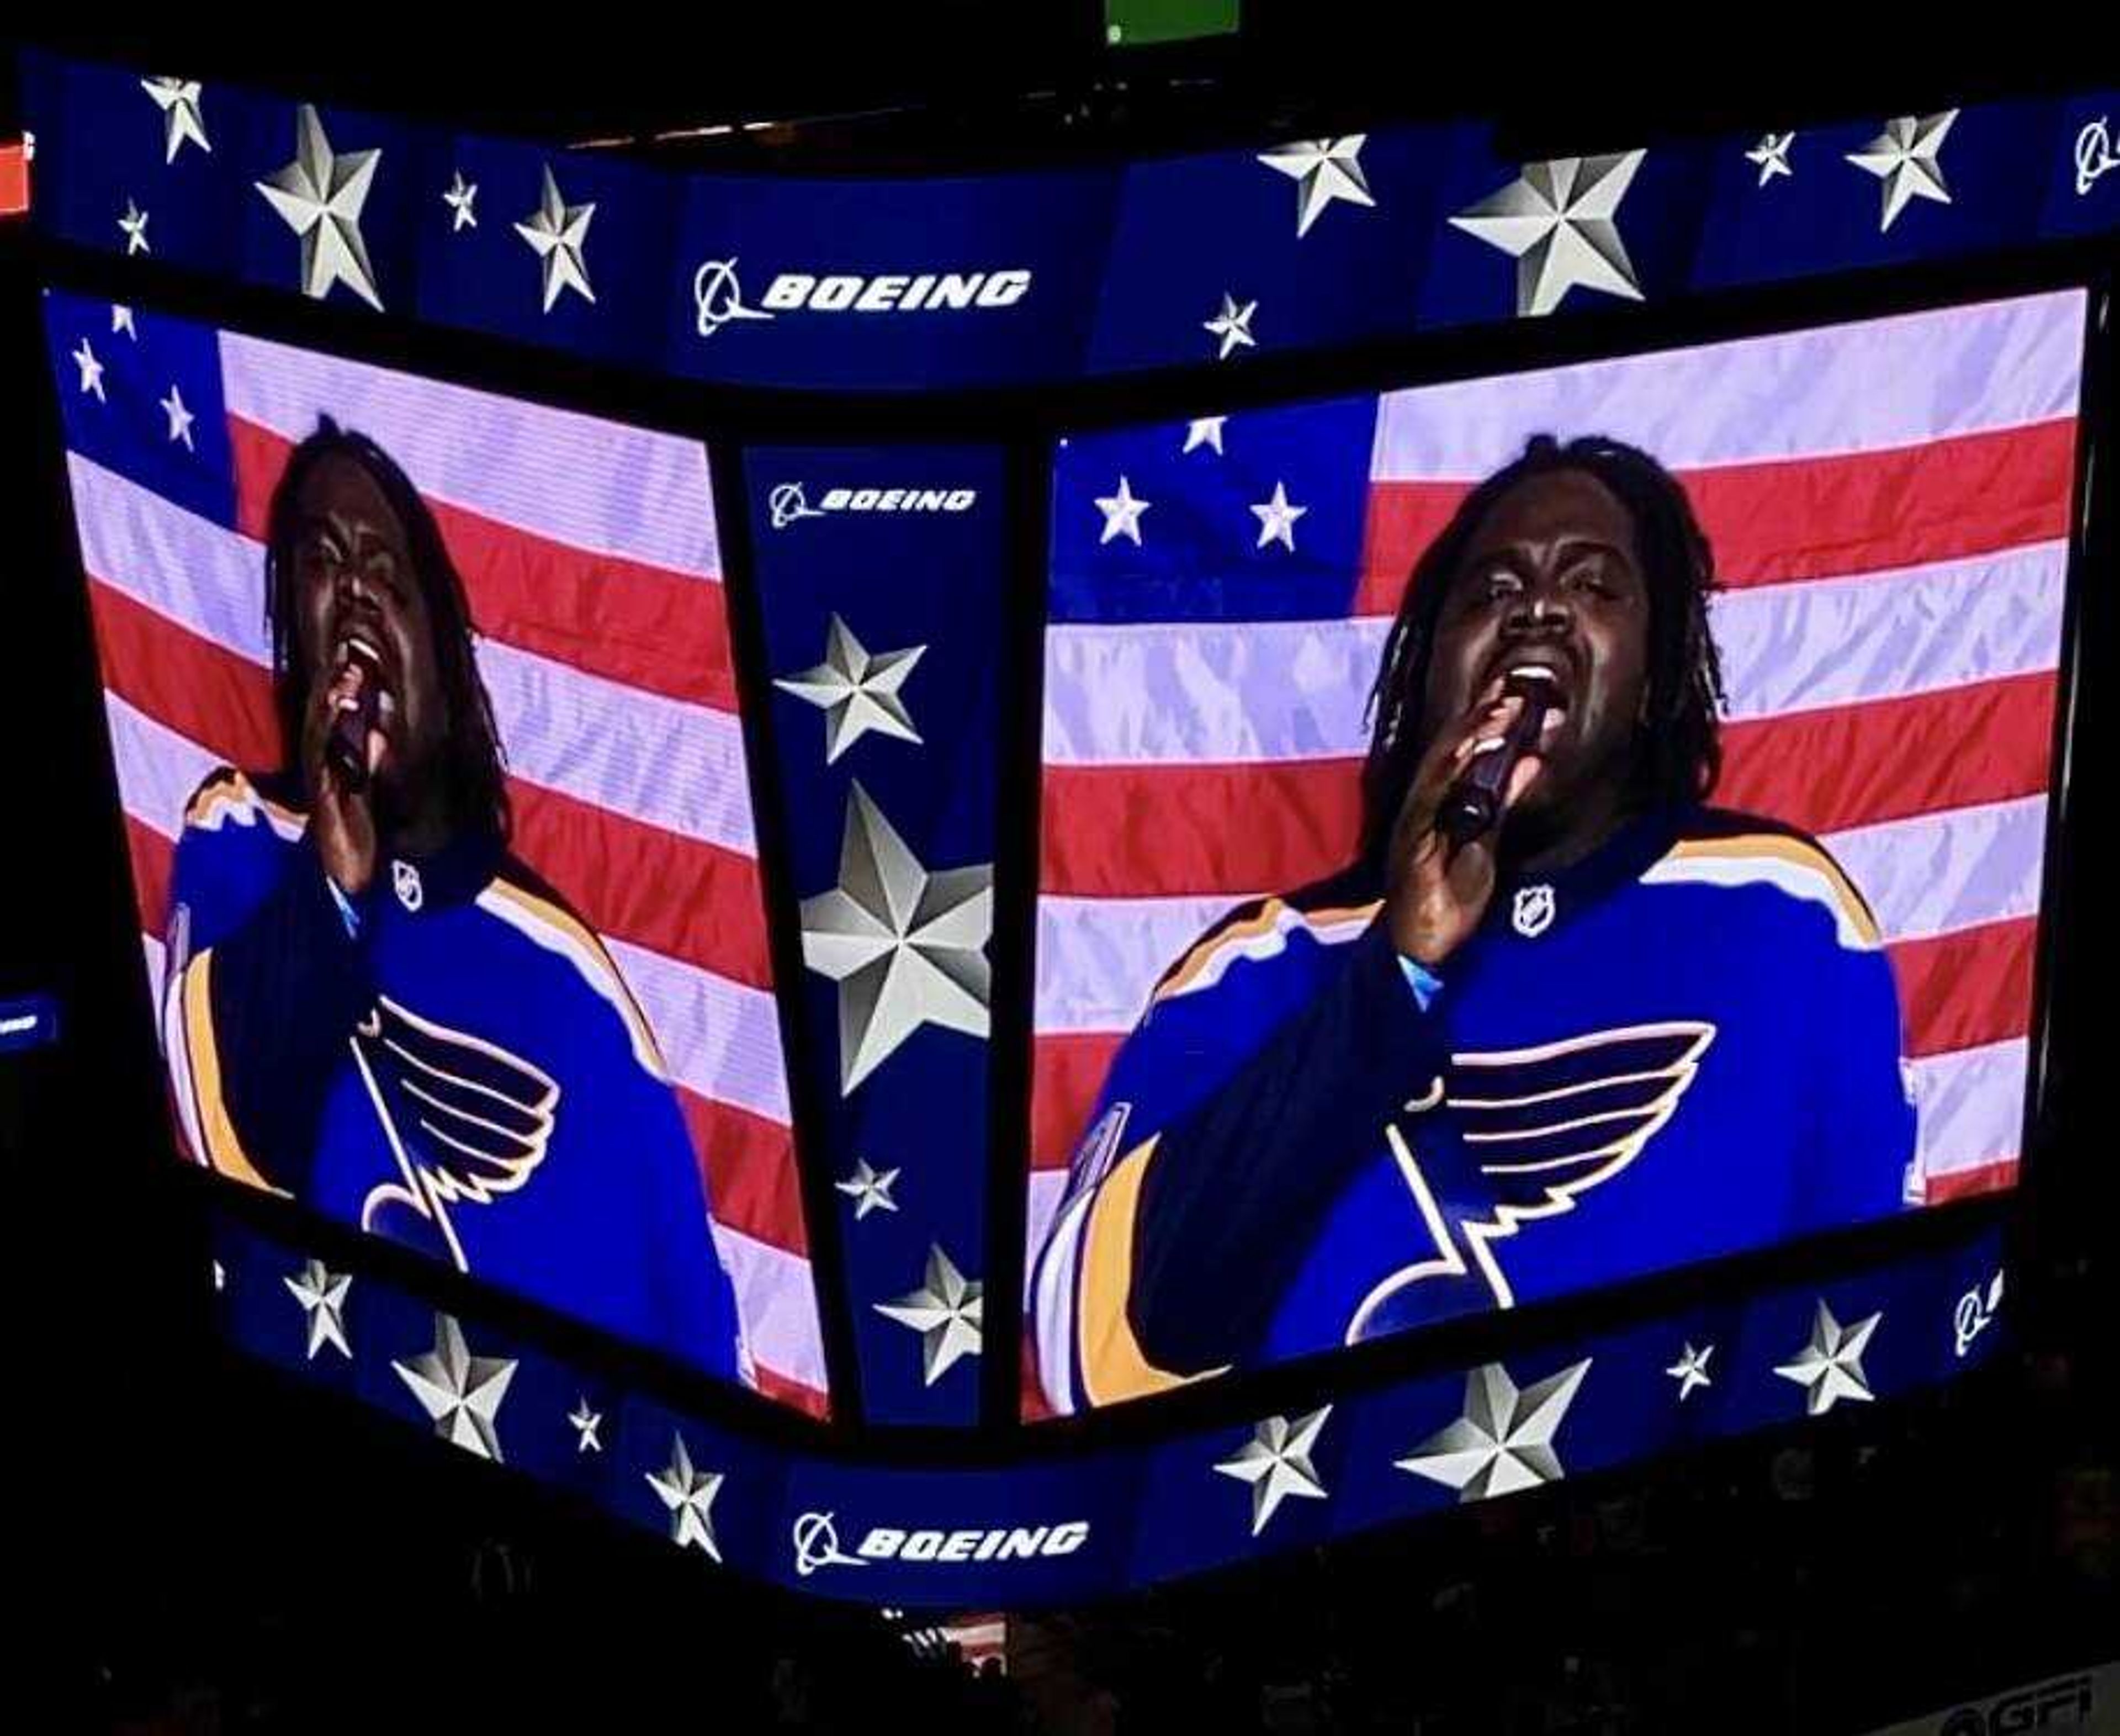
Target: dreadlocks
pixel 1679 753
pixel 471 766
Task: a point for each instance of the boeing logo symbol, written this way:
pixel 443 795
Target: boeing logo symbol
pixel 817 1545
pixel 719 297
pixel 1975 1313
pixel 2095 155
pixel 788 503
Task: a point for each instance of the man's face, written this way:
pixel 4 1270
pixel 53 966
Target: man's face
pixel 1551 578
pixel 358 598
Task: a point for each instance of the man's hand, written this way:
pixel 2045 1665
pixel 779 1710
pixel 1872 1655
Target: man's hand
pixel 341 820
pixel 1436 897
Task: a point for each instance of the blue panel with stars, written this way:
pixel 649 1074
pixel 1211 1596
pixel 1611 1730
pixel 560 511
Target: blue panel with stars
pixel 582 266
pixel 1320 241
pixel 904 548
pixel 1872 193
pixel 2083 167
pixel 140 394
pixel 1569 235
pixel 1254 516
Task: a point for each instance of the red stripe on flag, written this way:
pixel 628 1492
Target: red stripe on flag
pixel 1066 1072
pixel 1967 987
pixel 1807 518
pixel 1987 1178
pixel 623 619
pixel 749 1163
pixel 788 1390
pixel 152 856
pixel 680 896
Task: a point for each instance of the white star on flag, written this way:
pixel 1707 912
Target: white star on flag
pixel 180 418
pixel 1122 513
pixel 1276 1462
pixel 1830 1367
pixel 1904 157
pixel 1690 1370
pixel 906 947
pixel 460 1391
pixel 322 1296
pixel 319 196
pixel 857 689
pixel 121 320
pixel 1232 325
pixel 458 198
pixel 1771 154
pixel 586 1422
pixel 690 1497
pixel 947 1311
pixel 1323 170
pixel 1556 221
pixel 1277 519
pixel 134 223
pixel 1503 1442
pixel 869 1189
pixel 555 232
pixel 179 101
pixel 91 370
pixel 1204 431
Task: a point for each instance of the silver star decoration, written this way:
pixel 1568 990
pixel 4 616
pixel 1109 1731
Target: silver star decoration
pixel 322 1296
pixel 1323 170
pixel 179 101
pixel 947 1311
pixel 180 418
pixel 458 198
pixel 1690 1370
pixel 319 196
pixel 1277 519
pixel 1122 513
pixel 690 1497
pixel 1556 221
pixel 1204 431
pixel 1830 1367
pixel 1504 1441
pixel 907 946
pixel 1771 154
pixel 586 1422
pixel 134 223
pixel 555 232
pixel 91 370
pixel 1232 325
pixel 1903 157
pixel 121 320
pixel 460 1391
pixel 870 1189
pixel 1276 1462
pixel 857 689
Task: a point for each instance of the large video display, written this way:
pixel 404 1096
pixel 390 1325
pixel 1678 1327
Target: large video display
pixel 424 723
pixel 1752 648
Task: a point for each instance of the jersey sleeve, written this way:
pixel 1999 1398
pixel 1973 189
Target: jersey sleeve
pixel 265 985
pixel 1860 1154
pixel 1243 1101
pixel 694 1300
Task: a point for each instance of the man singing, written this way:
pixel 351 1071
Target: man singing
pixel 371 1005
pixel 1620 1032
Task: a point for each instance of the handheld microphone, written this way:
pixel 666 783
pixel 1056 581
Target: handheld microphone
pixel 347 749
pixel 1472 805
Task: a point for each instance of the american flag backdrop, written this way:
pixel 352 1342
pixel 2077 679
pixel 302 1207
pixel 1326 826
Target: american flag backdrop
pixel 589 553
pixel 1890 506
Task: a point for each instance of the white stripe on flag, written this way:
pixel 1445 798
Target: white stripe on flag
pixel 1098 958
pixel 598 485
pixel 666 762
pixel 1861 387
pixel 1041 1207
pixel 159 772
pixel 1971 1106
pixel 777 1305
pixel 1229 692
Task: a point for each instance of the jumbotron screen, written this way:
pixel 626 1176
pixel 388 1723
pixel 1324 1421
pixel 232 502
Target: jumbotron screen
pixel 1757 644
pixel 532 1033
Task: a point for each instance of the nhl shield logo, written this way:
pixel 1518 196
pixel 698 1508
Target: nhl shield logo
pixel 1531 912
pixel 405 879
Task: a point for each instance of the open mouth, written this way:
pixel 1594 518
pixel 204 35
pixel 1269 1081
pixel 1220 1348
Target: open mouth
pixel 1548 677
pixel 360 649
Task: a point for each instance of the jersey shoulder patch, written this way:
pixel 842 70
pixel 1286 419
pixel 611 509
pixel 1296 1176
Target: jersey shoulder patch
pixel 1720 848
pixel 1329 914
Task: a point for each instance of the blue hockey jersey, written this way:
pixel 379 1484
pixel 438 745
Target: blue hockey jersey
pixel 452 1060
pixel 1685 1045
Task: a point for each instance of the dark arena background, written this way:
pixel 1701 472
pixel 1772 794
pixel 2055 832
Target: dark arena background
pixel 751 976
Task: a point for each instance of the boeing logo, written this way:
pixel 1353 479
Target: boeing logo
pixel 718 293
pixel 1975 1313
pixel 2095 156
pixel 790 501
pixel 817 1543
